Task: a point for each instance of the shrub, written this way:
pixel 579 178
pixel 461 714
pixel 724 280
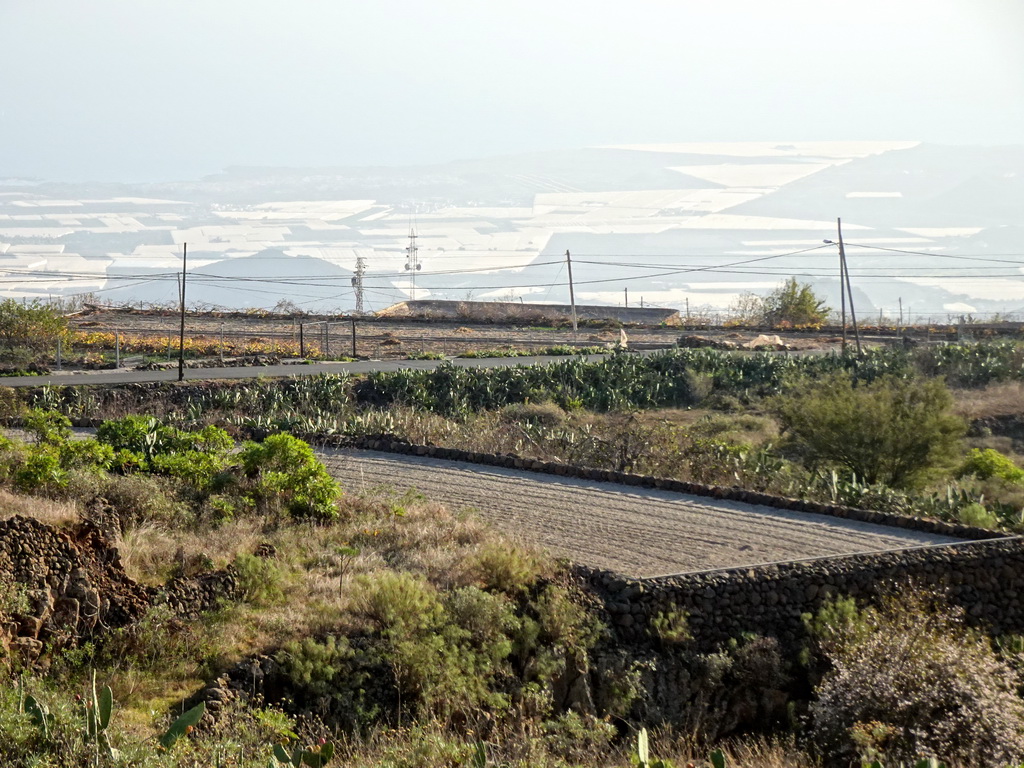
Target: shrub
pixel 452 654
pixel 31 325
pixel 89 455
pixel 927 684
pixel 891 431
pixel 975 514
pixel 128 462
pixel 583 739
pixel 47 426
pixel 446 654
pixel 13 597
pixel 134 433
pixel 988 463
pixel 194 467
pixel 398 601
pixel 260 580
pixel 134 499
pixel 282 472
pixel 40 470
pixel 506 568
pixel 546 414
pixel 670 628
pixel 149 437
pixel 345 679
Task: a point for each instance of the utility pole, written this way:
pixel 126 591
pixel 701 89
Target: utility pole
pixel 842 292
pixel 357 283
pixel 181 333
pixel 572 293
pixel 412 262
pixel 849 289
pixel 626 291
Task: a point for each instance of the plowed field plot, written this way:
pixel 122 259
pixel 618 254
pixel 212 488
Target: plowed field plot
pixel 396 339
pixel 637 532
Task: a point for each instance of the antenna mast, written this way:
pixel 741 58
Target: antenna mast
pixel 412 262
pixel 357 283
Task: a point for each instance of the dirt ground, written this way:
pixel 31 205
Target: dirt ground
pixel 397 339
pixel 634 531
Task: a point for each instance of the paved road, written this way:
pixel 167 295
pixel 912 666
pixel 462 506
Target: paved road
pixel 635 531
pixel 270 371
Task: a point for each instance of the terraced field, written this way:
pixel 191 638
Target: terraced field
pixel 635 531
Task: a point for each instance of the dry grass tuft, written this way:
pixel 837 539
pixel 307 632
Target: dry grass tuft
pixel 49 511
pixel 745 752
pixel 153 552
pixel 761 753
pixel 1005 399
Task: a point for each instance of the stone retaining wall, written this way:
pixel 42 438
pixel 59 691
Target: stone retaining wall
pixel 984 574
pixel 59 587
pixel 986 578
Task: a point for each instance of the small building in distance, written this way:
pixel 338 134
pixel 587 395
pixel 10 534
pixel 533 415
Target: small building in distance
pixel 506 312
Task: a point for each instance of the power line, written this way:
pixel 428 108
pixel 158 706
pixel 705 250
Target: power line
pixel 738 267
pixel 936 255
pixel 211 280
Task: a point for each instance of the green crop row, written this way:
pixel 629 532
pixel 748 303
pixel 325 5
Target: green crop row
pixel 674 378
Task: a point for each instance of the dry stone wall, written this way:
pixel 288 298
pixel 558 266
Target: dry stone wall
pixel 984 574
pixel 61 586
pixel 985 578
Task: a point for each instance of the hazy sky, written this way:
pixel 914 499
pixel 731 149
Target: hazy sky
pixel 138 90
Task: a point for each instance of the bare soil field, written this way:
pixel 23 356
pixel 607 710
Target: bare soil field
pixel 635 531
pixel 380 338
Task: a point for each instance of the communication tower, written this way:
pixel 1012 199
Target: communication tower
pixel 412 262
pixel 357 283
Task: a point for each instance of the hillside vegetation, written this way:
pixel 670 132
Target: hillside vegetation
pixel 879 430
pixel 384 629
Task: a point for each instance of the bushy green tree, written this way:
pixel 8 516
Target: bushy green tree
pixel 891 430
pixel 29 325
pixel 794 303
pixel 790 304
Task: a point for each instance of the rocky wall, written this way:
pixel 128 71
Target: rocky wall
pixel 61 584
pixel 59 587
pixel 985 578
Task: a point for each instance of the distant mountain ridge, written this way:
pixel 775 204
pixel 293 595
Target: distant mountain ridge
pixel 694 222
